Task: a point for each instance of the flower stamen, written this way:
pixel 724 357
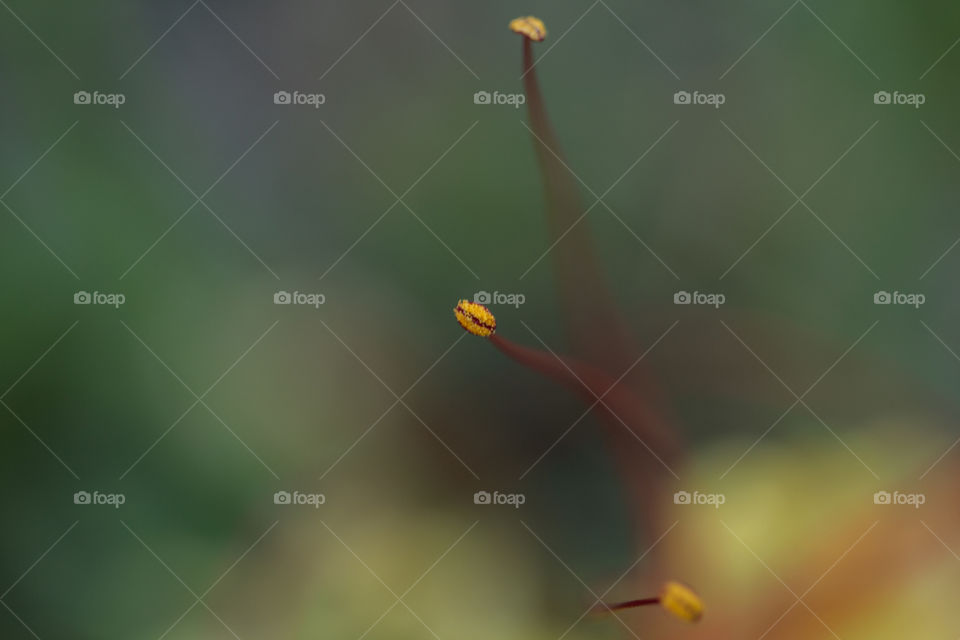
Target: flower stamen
pixel 475 318
pixel 529 26
pixel 677 599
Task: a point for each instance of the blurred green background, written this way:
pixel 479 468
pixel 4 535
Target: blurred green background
pixel 199 198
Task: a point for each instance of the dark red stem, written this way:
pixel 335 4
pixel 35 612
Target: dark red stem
pixel 629 604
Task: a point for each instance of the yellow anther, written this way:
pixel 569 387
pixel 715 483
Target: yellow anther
pixel 530 27
pixel 681 601
pixel 475 318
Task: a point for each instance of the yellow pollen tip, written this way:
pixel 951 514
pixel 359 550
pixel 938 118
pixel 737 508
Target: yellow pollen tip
pixel 530 27
pixel 681 601
pixel 475 318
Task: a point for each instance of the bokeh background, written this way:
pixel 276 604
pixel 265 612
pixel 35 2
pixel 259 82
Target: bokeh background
pixel 200 198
